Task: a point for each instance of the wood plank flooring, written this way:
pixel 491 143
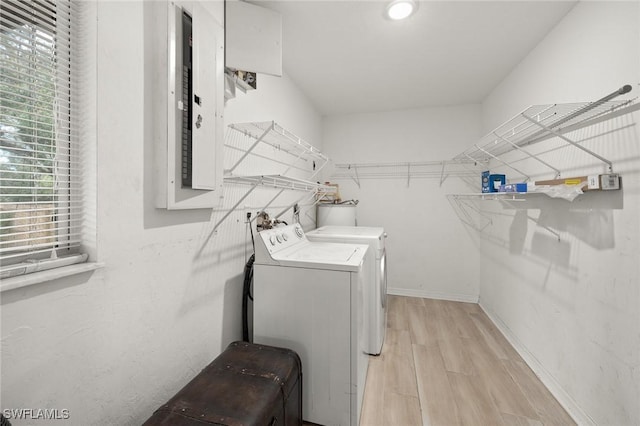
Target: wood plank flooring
pixel 445 363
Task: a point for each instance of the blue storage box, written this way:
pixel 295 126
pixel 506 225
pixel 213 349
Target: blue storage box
pixel 495 181
pixel 514 187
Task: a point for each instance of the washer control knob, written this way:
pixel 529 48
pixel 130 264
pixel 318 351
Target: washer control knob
pixel 279 238
pixel 299 232
pixel 285 236
pixel 272 240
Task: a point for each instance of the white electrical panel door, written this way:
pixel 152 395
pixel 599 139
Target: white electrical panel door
pixel 191 176
pixel 206 129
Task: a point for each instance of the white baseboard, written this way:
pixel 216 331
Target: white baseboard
pixel 426 294
pixel 567 402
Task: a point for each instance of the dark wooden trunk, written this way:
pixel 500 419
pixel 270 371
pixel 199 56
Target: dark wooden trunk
pixel 248 384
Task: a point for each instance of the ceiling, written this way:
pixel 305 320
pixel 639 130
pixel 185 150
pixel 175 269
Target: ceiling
pixel 347 58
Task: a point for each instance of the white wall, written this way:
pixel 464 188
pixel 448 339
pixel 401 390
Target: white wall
pixel 113 345
pixel 430 253
pixel 572 307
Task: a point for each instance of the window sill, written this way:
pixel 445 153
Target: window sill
pixel 48 275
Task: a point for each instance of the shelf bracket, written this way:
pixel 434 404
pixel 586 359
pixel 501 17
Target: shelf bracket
pixel 251 148
pixel 356 179
pixel 408 174
pixel 227 214
pixel 442 178
pixel 269 203
pixel 292 164
pixel 475 161
pixel 462 210
pixel 503 162
pixel 569 141
pixel 232 209
pixel 300 200
pixel 319 169
pixel 535 157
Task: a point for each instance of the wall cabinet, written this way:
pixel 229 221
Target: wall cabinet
pixel 253 38
pixel 253 44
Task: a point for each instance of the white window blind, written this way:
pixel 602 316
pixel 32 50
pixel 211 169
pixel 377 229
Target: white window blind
pixel 40 201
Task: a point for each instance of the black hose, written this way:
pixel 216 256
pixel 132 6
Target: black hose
pixel 246 295
pixel 253 243
pixel 4 421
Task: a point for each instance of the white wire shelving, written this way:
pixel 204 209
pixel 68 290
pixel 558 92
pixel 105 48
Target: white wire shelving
pixel 405 170
pixel 512 196
pixel 299 156
pixel 541 122
pixel 273 134
pixel 510 143
pixel 277 181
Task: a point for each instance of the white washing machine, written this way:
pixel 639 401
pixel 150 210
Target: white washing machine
pixel 308 296
pixel 375 289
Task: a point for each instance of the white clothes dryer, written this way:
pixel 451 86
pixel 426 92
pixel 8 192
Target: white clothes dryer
pixel 375 288
pixel 308 296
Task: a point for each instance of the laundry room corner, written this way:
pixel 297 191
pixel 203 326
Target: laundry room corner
pixel 412 204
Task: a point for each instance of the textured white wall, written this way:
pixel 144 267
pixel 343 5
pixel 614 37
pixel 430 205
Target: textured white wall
pixel 572 306
pixel 430 253
pixel 113 345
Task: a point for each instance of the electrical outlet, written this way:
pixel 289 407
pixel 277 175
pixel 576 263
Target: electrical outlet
pixel 593 182
pixel 610 181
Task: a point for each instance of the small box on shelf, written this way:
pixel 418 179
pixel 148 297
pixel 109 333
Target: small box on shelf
pixel 604 182
pixel 492 182
pixel 513 187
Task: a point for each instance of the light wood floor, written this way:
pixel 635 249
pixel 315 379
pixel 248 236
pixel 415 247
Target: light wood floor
pixel 445 363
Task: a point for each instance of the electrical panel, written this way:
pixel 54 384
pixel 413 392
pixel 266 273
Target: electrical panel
pixel 190 160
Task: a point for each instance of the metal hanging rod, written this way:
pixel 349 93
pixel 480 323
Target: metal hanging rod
pixel 541 122
pixel 593 106
pixel 401 164
pixel 404 170
pixel 279 182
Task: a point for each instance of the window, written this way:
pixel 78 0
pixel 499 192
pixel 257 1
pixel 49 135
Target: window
pixel 40 167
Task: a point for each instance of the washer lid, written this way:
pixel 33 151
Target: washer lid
pixel 321 255
pixel 349 231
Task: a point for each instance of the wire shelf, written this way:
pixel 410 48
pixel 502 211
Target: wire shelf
pixel 273 134
pixel 538 123
pixel 280 182
pixel 493 195
pixel 405 170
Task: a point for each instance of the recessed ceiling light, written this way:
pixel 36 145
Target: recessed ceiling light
pixel 401 9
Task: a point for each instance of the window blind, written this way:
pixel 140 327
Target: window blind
pixel 40 201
